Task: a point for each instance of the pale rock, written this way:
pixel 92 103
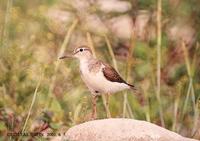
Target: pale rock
pixel 59 20
pixel 114 6
pixel 94 24
pixel 80 5
pixel 77 39
pixel 119 130
pixel 121 26
pixel 182 31
pixel 142 25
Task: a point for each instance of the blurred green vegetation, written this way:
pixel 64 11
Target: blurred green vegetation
pixel 31 36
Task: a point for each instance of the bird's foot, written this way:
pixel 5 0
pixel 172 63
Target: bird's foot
pixel 108 114
pixel 93 116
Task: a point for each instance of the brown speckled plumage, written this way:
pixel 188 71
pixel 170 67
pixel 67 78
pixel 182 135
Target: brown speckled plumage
pixel 94 65
pixel 111 74
pixel 108 71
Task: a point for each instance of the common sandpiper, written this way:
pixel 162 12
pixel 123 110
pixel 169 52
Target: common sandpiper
pixel 99 77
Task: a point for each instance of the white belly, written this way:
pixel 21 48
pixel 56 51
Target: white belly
pixel 96 81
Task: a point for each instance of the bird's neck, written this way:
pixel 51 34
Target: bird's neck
pixel 84 60
pixel 84 63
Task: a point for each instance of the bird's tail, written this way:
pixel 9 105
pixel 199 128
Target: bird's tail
pixel 132 87
pixel 138 93
pixel 136 90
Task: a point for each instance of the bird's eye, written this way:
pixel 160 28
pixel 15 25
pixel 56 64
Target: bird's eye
pixel 81 50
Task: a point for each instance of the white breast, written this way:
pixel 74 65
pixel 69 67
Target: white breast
pixel 96 81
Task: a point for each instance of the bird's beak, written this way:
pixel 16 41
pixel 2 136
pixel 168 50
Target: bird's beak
pixel 66 56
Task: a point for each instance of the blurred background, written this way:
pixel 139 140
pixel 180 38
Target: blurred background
pixel 40 93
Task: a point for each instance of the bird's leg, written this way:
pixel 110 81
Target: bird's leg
pixel 94 107
pixel 107 106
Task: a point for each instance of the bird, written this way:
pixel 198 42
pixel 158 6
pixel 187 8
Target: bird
pixel 99 77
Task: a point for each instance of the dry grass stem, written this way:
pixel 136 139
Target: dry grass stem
pixel 190 71
pixel 196 110
pixel 196 117
pixel 90 43
pixel 186 57
pixel 111 52
pixel 32 103
pixel 159 43
pixel 4 38
pixel 176 104
pixel 57 64
pixel 125 103
pixel 130 60
pixel 128 75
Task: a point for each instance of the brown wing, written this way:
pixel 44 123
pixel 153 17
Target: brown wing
pixel 111 74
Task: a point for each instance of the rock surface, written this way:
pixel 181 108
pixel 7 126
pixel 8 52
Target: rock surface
pixel 120 130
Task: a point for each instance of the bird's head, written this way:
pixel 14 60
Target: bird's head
pixel 82 52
